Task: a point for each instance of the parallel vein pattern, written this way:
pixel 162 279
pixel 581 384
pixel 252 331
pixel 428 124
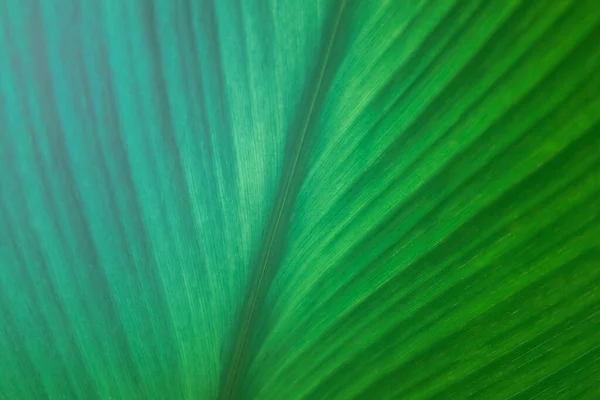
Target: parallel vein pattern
pixel 289 199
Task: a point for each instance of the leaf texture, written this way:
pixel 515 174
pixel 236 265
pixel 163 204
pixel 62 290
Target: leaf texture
pixel 290 199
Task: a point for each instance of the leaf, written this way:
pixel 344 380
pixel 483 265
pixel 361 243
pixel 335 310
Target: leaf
pixel 299 199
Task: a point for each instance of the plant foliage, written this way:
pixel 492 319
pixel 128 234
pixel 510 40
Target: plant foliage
pixel 299 199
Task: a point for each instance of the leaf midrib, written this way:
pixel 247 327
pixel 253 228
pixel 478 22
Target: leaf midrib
pixel 281 211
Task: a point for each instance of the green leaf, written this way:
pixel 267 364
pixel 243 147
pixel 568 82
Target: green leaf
pixel 289 199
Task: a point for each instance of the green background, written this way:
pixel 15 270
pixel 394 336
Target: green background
pixel 299 199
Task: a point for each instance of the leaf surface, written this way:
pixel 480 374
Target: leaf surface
pixel 299 199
